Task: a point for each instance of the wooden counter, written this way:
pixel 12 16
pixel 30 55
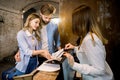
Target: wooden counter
pixel 38 75
pixel 42 75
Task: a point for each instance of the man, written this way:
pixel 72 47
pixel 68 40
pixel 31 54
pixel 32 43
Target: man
pixel 50 37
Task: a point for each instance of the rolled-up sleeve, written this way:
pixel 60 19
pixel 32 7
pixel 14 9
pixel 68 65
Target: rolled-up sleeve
pixel 23 44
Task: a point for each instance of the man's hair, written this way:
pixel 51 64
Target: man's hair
pixel 47 9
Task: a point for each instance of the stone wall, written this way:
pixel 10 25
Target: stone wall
pixel 8 30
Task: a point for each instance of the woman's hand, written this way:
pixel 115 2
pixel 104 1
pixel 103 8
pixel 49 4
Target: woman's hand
pixel 46 54
pixel 70 58
pixel 69 46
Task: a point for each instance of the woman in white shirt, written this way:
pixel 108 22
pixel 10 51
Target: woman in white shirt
pixel 91 51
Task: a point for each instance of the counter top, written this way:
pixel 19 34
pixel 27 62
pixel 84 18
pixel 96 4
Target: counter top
pixel 42 75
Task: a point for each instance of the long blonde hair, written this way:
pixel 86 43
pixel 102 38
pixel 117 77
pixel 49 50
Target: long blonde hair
pixel 27 25
pixel 84 21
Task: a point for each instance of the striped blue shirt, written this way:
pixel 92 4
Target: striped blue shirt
pixel 27 43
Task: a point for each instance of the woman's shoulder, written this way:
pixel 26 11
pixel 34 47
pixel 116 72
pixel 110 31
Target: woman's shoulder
pixel 91 37
pixel 21 32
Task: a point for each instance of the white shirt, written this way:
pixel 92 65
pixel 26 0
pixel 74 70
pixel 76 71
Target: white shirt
pixel 93 65
pixel 44 38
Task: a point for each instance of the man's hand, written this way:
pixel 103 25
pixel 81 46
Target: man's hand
pixel 17 57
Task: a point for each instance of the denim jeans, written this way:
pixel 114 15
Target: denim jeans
pixel 10 73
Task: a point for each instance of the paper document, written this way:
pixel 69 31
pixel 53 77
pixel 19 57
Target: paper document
pixel 49 67
pixel 58 54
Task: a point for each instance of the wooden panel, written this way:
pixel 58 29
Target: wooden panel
pixel 46 75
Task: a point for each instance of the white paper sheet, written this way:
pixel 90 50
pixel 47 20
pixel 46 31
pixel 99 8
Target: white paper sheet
pixel 58 54
pixel 49 67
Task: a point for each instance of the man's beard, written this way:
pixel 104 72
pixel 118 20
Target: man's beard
pixel 44 23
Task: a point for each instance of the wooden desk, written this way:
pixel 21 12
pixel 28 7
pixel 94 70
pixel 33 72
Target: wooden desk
pixel 38 75
pixel 42 75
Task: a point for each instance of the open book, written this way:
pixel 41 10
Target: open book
pixel 53 64
pixel 57 57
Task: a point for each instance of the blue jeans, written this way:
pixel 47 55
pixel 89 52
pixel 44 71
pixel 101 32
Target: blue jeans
pixel 10 73
pixel 68 72
pixel 32 65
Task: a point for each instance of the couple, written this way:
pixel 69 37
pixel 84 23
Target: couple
pixel 91 51
pixel 40 37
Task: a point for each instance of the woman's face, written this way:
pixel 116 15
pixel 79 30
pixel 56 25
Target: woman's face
pixel 34 24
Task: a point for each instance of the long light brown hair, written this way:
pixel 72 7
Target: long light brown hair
pixel 27 25
pixel 84 21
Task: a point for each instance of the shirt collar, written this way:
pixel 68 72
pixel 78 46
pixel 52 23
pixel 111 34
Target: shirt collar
pixel 29 34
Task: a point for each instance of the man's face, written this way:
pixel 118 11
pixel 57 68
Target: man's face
pixel 46 18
